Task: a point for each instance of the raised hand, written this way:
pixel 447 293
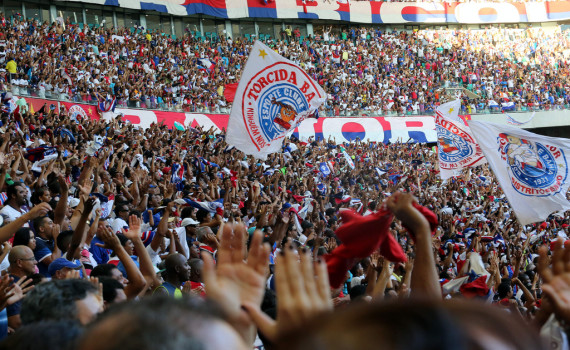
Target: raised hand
pixel 62 184
pixel 89 205
pixel 56 231
pixel 84 190
pixel 134 231
pixel 303 290
pixel 235 282
pixel 211 240
pixel 39 210
pixel 556 278
pixel 110 240
pixel 401 205
pixel 95 281
pixel 72 274
pixel 11 293
pixel 6 247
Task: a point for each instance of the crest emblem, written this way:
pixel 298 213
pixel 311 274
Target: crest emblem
pixel 536 169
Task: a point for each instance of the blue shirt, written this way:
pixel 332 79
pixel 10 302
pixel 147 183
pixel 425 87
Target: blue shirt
pixel 101 255
pixel 14 309
pixel 43 249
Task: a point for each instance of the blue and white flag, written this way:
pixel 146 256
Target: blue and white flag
pixel 3 198
pixel 348 159
pixel 273 97
pixel 107 105
pixel 531 169
pixel 324 168
pixel 379 171
pixel 177 173
pixel 508 106
pixel 207 162
pixel 209 206
pixel 456 146
pixel 322 189
pixel 107 206
pixel 513 121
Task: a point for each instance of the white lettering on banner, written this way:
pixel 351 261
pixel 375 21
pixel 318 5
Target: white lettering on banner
pixel 405 128
pixel 145 117
pixel 339 127
pixel 201 119
pixel 366 11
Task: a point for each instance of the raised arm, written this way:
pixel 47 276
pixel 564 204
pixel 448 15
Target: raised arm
pixel 61 207
pixel 145 262
pixel 7 231
pixel 80 231
pixel 424 281
pixel 136 280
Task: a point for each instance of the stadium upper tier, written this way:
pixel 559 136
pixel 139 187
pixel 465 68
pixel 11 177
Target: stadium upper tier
pixel 364 69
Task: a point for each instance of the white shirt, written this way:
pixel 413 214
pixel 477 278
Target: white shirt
pixel 12 214
pixel 181 232
pixel 118 225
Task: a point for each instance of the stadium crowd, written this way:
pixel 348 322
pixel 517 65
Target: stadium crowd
pixel 375 72
pixel 115 237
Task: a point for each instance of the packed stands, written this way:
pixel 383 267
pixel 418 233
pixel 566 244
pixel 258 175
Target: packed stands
pixel 375 72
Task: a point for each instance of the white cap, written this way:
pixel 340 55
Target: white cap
pixel 73 202
pixel 188 221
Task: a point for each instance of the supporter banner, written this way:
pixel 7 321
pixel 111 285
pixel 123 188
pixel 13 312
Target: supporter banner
pixel 531 169
pixel 457 148
pixel 273 96
pixel 375 129
pixel 79 112
pixel 358 11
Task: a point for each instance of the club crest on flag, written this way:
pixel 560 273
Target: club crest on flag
pixel 536 169
pixel 273 97
pixel 277 95
pixel 76 113
pixel 453 147
pixel 457 148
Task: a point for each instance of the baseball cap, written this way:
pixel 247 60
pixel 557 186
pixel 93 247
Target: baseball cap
pixel 188 221
pixel 61 263
pixel 9 180
pixel 73 202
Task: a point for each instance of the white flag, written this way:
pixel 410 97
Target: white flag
pixel 531 169
pixel 456 146
pixel 274 96
pixel 348 159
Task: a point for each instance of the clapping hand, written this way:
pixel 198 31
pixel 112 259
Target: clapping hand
pixel 11 293
pixel 303 290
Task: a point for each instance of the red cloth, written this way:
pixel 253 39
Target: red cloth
pixel 230 92
pixel 476 288
pixel 361 236
pixel 298 198
pixel 196 285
